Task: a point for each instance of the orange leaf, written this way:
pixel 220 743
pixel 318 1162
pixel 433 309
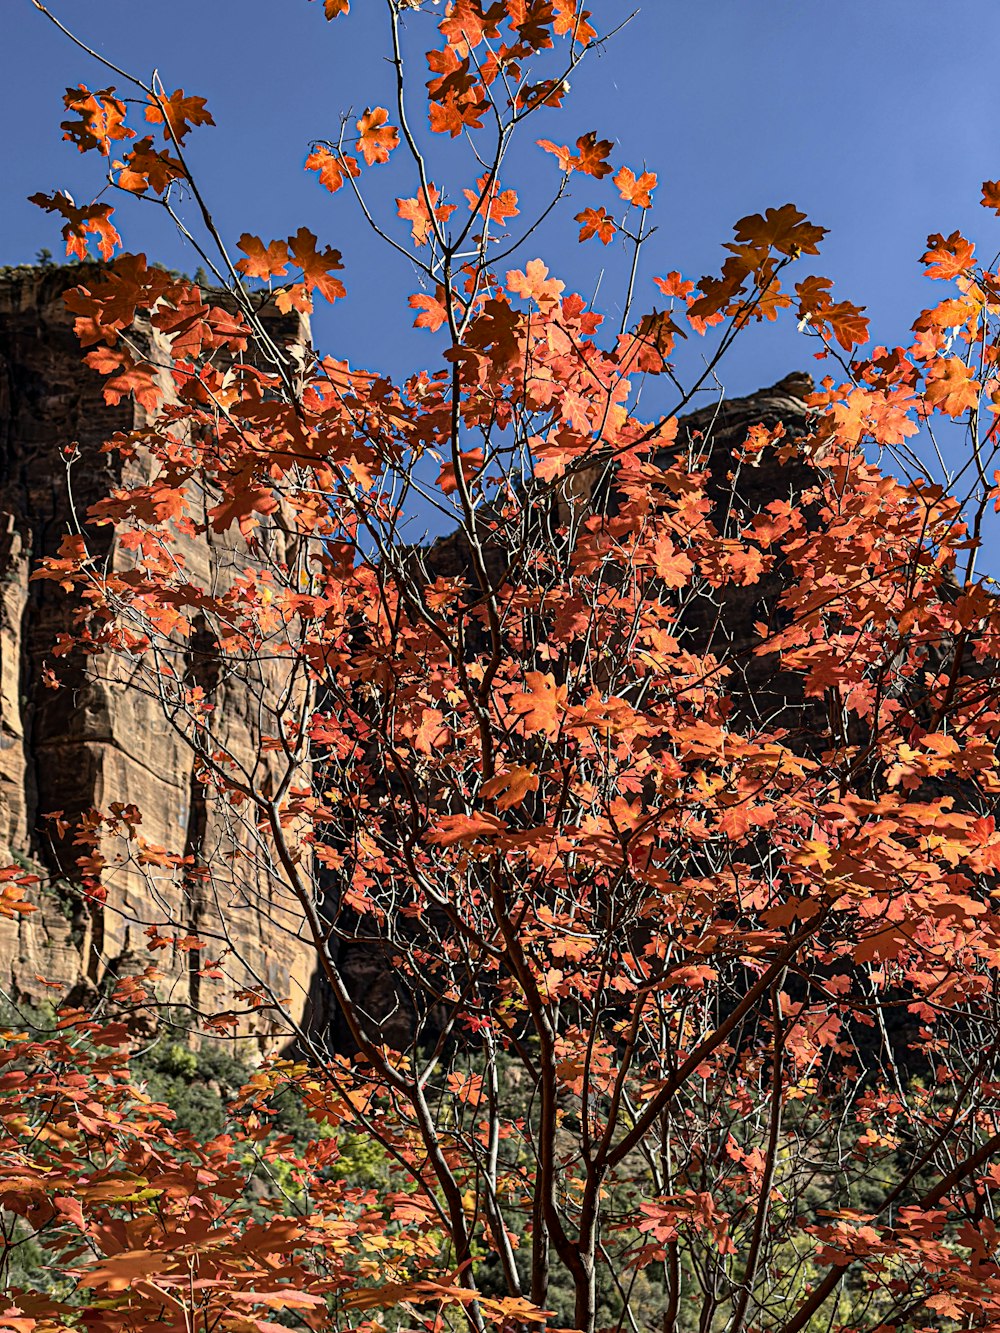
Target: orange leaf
pixel 589 158
pixel 262 261
pixel 534 284
pixel 570 22
pixel 452 829
pixel 562 153
pixel 511 787
pixel 948 257
pixel 432 312
pixel 636 190
pixel 415 212
pixel 674 285
pixel 333 167
pixel 592 154
pixel 951 387
pixel 496 204
pixel 542 704
pixel 316 265
pixel 102 118
pixel 87 220
pixel 596 222
pixel 471 462
pixel 376 139
pixel 466 25
pixel 145 168
pixel 848 324
pixel 178 114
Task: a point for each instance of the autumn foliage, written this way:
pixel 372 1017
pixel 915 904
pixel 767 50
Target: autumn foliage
pixel 668 810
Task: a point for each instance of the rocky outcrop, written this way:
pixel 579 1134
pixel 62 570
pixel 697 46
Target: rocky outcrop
pixel 94 740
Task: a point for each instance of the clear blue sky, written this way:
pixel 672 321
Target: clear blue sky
pixel 860 112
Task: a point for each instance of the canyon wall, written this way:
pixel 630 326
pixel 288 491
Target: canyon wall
pixel 93 740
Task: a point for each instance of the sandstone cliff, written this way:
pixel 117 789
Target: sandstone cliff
pixel 94 740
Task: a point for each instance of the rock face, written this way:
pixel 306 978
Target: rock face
pixel 94 741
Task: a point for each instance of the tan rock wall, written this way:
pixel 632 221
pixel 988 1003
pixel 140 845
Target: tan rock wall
pixel 97 739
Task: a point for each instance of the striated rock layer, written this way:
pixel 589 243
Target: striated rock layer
pixel 95 740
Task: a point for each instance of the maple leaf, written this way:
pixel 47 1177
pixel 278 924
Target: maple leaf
pixel 550 92
pixel 948 258
pixel 541 705
pixel 472 461
pixel 432 310
pixel 571 21
pixel 674 285
pixel 128 377
pixel 415 211
pixel 286 1298
pixel 146 168
pixel 596 222
pixel 636 190
pixel 510 787
pixel 101 119
pixel 590 157
pixel 734 821
pixel 467 24
pixel 784 229
pixel 817 308
pixel 452 115
pixel 317 266
pixel 333 168
pixel 648 347
pixel 335 8
pixel 452 829
pixel 848 324
pixel 991 196
pixel 673 567
pixel 488 200
pixel 592 154
pixel 534 284
pixel 563 154
pixel 719 293
pixel 431 733
pixel 376 139
pixel 453 77
pixel 951 386
pixel 177 114
pixel 82 222
pixel 263 261
pixel 13 882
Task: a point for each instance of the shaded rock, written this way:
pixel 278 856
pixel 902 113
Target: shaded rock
pixel 95 740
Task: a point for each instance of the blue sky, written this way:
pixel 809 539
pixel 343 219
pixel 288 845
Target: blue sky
pixel 878 118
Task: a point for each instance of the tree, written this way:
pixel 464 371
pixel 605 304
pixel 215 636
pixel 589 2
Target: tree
pixel 689 938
